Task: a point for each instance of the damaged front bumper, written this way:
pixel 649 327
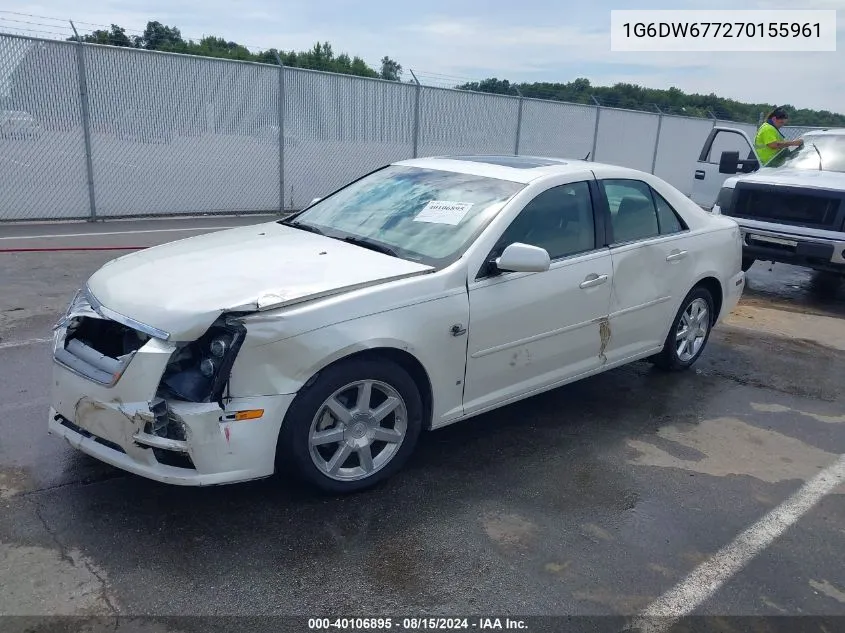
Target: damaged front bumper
pixel 108 401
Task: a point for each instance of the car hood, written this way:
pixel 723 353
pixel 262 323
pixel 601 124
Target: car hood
pixel 181 287
pixel 810 178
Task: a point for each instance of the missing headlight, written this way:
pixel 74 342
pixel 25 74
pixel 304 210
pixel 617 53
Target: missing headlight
pixel 199 371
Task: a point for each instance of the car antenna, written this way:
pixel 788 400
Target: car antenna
pixel 820 155
pixel 587 157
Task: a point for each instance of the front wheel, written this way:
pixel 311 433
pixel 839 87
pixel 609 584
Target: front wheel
pixel 689 333
pixel 354 427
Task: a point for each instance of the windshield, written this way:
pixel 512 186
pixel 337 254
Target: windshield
pixel 424 215
pixel 831 147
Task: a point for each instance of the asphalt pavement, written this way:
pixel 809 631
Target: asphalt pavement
pixel 598 499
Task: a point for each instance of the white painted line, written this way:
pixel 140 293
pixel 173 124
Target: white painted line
pixel 43 237
pixel 24 343
pixel 710 576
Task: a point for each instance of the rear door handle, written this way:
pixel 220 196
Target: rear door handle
pixel 593 280
pixel 676 255
pixel 699 174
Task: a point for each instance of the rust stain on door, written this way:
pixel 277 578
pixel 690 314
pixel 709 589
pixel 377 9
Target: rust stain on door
pixel 604 334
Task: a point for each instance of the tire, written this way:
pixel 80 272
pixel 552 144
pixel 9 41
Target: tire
pixel 353 433
pixel 669 359
pixel 747 262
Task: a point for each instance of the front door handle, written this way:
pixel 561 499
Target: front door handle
pixel 676 255
pixel 593 280
pixel 699 174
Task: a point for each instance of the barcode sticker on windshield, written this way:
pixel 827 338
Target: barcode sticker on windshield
pixel 443 212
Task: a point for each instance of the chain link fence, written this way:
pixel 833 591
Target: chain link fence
pixel 42 140
pixel 90 131
pixel 550 128
pixel 172 134
pixel 339 127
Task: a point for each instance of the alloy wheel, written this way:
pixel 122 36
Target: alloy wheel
pixel 358 430
pixel 692 330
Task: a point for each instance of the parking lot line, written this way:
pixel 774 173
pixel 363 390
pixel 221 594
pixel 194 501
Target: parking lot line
pixel 708 577
pixel 24 343
pixel 44 237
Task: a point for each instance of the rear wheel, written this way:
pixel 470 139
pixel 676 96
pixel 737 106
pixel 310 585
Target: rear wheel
pixel 354 427
pixel 689 333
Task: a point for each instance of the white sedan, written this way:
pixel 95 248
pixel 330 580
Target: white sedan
pixel 424 293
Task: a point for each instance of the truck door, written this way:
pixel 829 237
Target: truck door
pixel 707 181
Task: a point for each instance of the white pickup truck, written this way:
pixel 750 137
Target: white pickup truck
pixel 792 210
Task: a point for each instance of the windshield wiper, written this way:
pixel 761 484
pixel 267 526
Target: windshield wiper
pixel 299 225
pixel 368 243
pixel 820 155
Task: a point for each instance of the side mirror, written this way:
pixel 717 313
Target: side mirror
pixel 729 163
pixel 523 258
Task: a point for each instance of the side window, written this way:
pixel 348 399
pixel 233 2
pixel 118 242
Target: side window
pixel 728 142
pixel 559 220
pixel 633 215
pixel 667 217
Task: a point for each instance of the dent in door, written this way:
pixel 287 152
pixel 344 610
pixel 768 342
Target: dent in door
pixel 521 358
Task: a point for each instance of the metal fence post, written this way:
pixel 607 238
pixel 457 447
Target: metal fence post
pixel 416 114
pixel 518 122
pixel 281 134
pixel 596 130
pixel 86 120
pixel 657 140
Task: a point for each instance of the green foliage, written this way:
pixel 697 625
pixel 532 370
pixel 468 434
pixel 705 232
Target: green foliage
pixel 115 36
pixel 671 100
pixel 159 37
pixel 390 70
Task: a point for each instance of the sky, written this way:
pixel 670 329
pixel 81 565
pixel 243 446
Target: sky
pixel 532 40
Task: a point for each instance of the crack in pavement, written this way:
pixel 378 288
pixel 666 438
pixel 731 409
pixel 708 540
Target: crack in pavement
pixel 65 556
pixel 80 482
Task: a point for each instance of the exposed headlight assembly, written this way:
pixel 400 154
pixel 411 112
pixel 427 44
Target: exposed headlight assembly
pixel 199 371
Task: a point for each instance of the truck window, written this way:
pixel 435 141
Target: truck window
pixel 725 141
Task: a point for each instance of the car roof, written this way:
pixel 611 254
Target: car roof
pixel 521 169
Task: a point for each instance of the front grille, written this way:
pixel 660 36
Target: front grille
pixel 174 459
pixel 816 210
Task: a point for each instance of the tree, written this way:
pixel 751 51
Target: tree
pixel 493 85
pixel 115 36
pixel 671 100
pixel 390 70
pixel 159 37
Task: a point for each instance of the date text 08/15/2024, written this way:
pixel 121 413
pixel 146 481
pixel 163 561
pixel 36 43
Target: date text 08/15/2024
pixel 415 624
